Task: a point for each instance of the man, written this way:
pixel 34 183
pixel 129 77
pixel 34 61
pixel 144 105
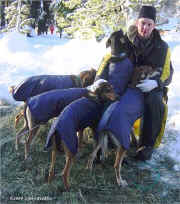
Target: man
pixel 150 49
pixel 146 48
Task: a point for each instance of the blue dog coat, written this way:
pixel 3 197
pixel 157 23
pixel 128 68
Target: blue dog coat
pixel 78 115
pixel 49 104
pixel 118 74
pixel 121 115
pixel 35 85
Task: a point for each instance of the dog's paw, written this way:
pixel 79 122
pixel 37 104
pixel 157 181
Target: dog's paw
pixel 79 155
pixel 89 165
pixel 51 177
pixel 28 158
pixel 16 147
pixel 122 183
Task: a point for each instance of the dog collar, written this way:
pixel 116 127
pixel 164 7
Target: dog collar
pixel 118 58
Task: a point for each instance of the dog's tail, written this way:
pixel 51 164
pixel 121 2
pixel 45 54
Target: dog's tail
pixel 104 144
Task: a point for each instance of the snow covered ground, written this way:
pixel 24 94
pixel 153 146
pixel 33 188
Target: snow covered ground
pixel 22 57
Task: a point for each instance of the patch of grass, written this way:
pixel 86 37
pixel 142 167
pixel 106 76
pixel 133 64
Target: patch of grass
pixel 26 181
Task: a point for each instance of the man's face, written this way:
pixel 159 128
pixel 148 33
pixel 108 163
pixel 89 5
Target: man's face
pixel 145 27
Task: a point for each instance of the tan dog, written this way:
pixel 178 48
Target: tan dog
pixel 120 154
pixel 103 93
pixel 36 85
pixel 141 73
pixel 41 108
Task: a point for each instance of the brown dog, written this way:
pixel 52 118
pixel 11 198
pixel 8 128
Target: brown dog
pixel 141 73
pixel 36 85
pixel 76 114
pixel 41 108
pixel 120 154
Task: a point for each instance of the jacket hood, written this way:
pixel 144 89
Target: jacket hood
pixel 132 33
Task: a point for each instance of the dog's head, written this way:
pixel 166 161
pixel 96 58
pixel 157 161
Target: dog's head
pixel 141 73
pixel 87 77
pixel 105 92
pixel 148 72
pixel 117 43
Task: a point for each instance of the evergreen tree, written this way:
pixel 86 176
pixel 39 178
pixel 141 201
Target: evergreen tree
pixel 62 9
pixel 27 14
pixel 40 12
pixel 2 15
pixel 17 15
pixel 35 12
pixel 76 18
pixel 97 18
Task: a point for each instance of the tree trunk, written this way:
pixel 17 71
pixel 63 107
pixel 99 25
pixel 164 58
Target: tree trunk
pixel 18 16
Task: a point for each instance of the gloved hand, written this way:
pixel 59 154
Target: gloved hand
pixel 95 85
pixel 147 85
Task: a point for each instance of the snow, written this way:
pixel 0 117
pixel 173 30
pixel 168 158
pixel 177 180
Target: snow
pixel 22 57
pixel 172 23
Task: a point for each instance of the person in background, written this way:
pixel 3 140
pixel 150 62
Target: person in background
pixel 51 28
pixel 145 48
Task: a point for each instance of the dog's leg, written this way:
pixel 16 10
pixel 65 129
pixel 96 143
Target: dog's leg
pixel 53 160
pixel 120 154
pixel 92 157
pixel 66 171
pixel 33 128
pixel 28 141
pixel 80 138
pixel 18 117
pixel 20 134
pixel 133 138
pixel 102 144
pixel 25 127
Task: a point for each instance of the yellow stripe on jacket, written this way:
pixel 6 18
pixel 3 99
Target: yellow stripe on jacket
pixel 166 69
pixel 163 125
pixel 103 64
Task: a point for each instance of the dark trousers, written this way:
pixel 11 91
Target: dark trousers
pixel 153 115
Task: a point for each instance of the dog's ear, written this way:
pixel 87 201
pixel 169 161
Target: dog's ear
pixel 93 73
pixel 93 76
pixel 88 77
pixel 113 35
pixel 117 42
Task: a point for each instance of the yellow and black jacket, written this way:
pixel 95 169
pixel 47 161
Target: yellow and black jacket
pixel 156 54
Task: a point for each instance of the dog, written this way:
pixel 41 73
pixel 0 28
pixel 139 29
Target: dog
pixel 120 49
pixel 73 118
pixel 141 73
pixel 41 108
pixel 36 85
pixel 118 43
pixel 120 154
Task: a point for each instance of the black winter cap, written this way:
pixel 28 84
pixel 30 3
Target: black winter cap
pixel 148 12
